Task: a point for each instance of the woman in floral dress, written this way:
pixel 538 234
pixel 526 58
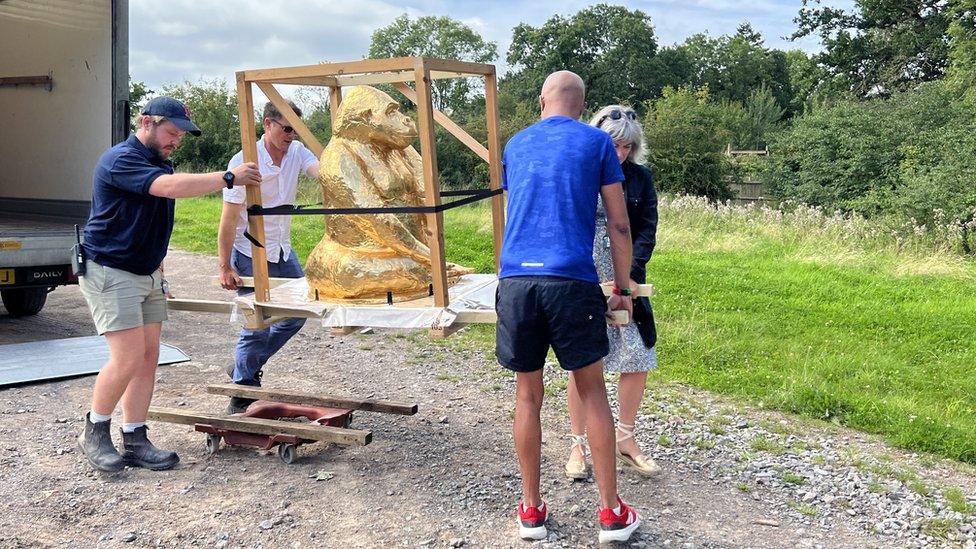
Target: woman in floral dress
pixel 632 347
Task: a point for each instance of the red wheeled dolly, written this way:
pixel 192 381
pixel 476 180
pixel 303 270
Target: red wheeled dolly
pixel 287 444
pixel 273 419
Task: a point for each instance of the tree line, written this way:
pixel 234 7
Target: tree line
pixel 880 122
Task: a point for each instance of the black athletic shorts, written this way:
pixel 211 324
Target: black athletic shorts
pixel 535 312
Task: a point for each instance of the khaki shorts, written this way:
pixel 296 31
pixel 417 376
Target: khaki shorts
pixel 120 300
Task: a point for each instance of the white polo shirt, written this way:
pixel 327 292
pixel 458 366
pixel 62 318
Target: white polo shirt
pixel 279 187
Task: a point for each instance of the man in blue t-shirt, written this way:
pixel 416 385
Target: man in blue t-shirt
pixel 126 239
pixel 549 293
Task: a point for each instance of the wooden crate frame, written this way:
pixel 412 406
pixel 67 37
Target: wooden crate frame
pixel 400 71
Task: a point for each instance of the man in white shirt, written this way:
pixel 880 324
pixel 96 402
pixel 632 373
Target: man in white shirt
pixel 280 158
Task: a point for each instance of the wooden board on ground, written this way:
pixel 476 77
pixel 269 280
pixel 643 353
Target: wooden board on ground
pixel 259 426
pixel 296 397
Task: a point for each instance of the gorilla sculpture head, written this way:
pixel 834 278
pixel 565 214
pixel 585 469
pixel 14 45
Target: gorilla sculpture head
pixel 369 115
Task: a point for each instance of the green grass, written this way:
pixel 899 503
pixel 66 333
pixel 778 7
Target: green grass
pixel 958 502
pixel 919 488
pixel 763 444
pixel 448 377
pixel 704 443
pixel 877 488
pixel 790 477
pixel 939 528
pixel 801 312
pixel 806 510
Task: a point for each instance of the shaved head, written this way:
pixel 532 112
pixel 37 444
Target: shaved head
pixel 563 93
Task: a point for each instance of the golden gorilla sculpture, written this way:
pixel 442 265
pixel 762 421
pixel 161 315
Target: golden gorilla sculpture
pixel 369 163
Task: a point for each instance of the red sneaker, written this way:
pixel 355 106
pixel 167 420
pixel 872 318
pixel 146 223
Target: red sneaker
pixel 618 526
pixel 532 521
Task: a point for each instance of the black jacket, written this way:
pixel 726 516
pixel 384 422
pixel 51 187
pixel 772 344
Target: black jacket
pixel 642 211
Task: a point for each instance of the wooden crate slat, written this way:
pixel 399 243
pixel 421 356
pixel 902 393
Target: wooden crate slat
pixel 296 397
pixel 259 426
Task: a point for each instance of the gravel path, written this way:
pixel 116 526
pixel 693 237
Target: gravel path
pixel 734 476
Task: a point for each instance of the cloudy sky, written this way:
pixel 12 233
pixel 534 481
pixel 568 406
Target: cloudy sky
pixel 189 40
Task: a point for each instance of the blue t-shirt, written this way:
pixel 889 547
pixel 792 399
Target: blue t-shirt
pixel 553 172
pixel 128 228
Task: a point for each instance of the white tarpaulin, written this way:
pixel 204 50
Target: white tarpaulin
pixel 475 292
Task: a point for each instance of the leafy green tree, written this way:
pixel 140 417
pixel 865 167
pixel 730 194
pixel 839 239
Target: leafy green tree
pixel 732 66
pixel 138 91
pixel 880 47
pixel 441 37
pixel 686 134
pixel 314 102
pixel 962 53
pixel 811 84
pixel 137 95
pixel 762 114
pixel 849 155
pixel 937 177
pixel 610 47
pixel 214 109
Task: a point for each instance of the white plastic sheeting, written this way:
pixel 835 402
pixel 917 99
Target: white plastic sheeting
pixel 474 292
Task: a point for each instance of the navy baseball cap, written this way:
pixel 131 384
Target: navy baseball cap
pixel 172 110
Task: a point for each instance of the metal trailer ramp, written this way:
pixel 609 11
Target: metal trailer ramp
pixel 60 358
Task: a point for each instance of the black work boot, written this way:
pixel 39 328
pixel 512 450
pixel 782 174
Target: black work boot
pixel 96 444
pixel 238 405
pixel 139 452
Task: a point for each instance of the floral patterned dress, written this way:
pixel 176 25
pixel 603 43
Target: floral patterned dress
pixel 627 350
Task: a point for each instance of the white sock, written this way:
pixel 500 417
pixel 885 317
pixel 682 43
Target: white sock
pixel 95 417
pixel 616 510
pixel 131 427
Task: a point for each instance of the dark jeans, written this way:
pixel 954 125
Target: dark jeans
pixel 255 347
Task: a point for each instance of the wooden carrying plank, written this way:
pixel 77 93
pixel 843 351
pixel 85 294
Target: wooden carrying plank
pixel 446 332
pixel 295 397
pixel 491 317
pixel 259 426
pixel 285 311
pixel 448 124
pixel 643 290
pixel 200 305
pixel 296 122
pixel 248 281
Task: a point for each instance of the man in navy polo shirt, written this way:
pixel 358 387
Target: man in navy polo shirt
pixel 126 239
pixel 548 290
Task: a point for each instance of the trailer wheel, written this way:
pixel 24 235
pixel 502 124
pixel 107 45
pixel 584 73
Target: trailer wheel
pixel 287 453
pixel 24 301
